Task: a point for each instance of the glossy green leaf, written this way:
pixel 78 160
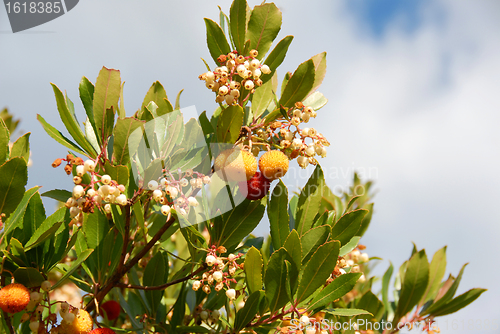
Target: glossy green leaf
pixel 263 97
pixel 414 284
pixel 366 220
pixel 58 136
pixel 71 123
pixel 386 279
pixel 21 147
pixel 47 229
pixel 4 141
pixel 106 96
pixel 276 57
pixel 60 195
pixel 13 179
pixel 29 277
pixel 263 27
pixel 33 216
pixel 238 23
pixel 294 248
pixel 348 225
pixel 312 239
pixel 316 101
pixel 436 273
pixel 319 61
pixel 346 312
pixel 124 134
pixel 318 269
pixel 253 269
pixel 309 201
pixel 445 294
pixel 229 124
pixel 239 222
pixel 156 273
pixel 299 85
pixel 249 311
pixel 275 280
pixel 119 173
pixel 158 95
pixel 459 302
pixel 348 247
pixel 74 266
pixel 86 89
pixel 278 214
pixel 335 290
pixel 216 40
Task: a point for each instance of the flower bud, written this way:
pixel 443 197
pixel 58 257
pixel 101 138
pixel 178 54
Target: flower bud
pixel 217 276
pixel 152 185
pixel 78 191
pixel 210 260
pixel 196 285
pixel 89 166
pixel 231 294
pixel 165 210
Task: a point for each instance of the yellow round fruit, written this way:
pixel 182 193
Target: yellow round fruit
pixel 81 325
pixel 273 164
pixel 14 298
pixel 235 165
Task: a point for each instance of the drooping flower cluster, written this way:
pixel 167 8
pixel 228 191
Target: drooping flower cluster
pixel 238 75
pixel 221 273
pixel 178 192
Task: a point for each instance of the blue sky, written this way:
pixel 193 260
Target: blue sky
pixel 412 89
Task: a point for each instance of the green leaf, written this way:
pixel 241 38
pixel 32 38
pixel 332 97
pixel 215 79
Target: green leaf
pixel 178 100
pixel 385 292
pixel 318 269
pixel 316 101
pixel 121 110
pixel 309 201
pixel 335 290
pixel 119 173
pixel 70 122
pixel 294 248
pixel 60 195
pixel 263 27
pixel 238 23
pixel 369 302
pixel 86 90
pixel 21 147
pixel 436 274
pixel 33 217
pixel 458 303
pixel 29 277
pixel 239 222
pixel 229 124
pixel 158 95
pixel 13 199
pixel 348 247
pixel 319 61
pixel 348 226
pixel 278 214
pixel 253 269
pixel 276 57
pixel 216 40
pixel 106 96
pixel 275 280
pixel 263 96
pixel 446 294
pixel 74 266
pixel 299 85
pixel 47 229
pixel 95 228
pixel 156 273
pixel 4 141
pixel 58 136
pixel 312 239
pixel 249 311
pixel 125 134
pixel 414 284
pixel 346 312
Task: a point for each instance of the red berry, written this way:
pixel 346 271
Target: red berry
pixel 111 308
pixel 102 331
pixel 257 187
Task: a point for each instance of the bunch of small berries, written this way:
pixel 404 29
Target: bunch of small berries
pixel 204 315
pixel 235 76
pixel 179 192
pixel 303 144
pixel 216 275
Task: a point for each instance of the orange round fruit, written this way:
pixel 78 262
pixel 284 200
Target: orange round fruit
pixel 235 165
pixel 273 164
pixel 14 298
pixel 81 325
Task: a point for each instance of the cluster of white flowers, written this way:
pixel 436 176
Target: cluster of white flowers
pixel 173 191
pixel 235 75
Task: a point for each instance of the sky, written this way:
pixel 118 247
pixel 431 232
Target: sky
pixel 413 105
